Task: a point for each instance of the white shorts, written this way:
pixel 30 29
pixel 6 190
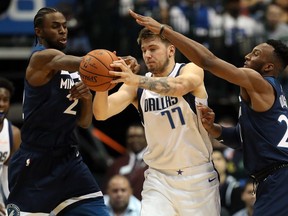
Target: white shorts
pixel 194 192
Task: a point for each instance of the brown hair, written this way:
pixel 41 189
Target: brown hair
pixel 146 33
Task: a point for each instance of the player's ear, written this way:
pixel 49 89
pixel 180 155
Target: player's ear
pixel 269 67
pixel 171 50
pixel 37 31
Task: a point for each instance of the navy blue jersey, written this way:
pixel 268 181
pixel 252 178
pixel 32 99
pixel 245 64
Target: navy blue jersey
pixel 47 169
pixel 49 116
pixel 265 134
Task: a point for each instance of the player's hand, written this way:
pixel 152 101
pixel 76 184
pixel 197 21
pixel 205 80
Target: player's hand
pixel 80 91
pixel 125 75
pixel 132 63
pixel 207 116
pixel 147 22
pixel 2 210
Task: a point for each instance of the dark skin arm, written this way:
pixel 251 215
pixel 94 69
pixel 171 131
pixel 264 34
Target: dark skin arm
pixel 45 64
pixel 207 119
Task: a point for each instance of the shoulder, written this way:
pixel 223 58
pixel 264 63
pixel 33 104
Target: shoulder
pixel 192 69
pixel 15 130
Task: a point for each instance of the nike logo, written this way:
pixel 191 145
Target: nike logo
pixel 211 179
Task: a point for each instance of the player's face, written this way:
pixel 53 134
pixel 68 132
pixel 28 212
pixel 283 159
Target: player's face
pixel 259 57
pixel 4 103
pixel 54 31
pixel 155 54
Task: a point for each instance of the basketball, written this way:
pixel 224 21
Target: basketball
pixel 94 70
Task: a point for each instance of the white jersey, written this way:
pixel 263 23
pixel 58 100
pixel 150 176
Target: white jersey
pixel 5 148
pixel 175 135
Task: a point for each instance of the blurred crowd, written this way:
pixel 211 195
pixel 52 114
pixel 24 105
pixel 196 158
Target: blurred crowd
pixel 229 28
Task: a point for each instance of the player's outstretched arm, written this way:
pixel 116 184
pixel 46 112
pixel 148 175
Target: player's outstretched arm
pixel 199 54
pixel 44 64
pixel 105 106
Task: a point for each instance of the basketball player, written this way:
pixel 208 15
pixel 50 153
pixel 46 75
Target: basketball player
pixel 263 117
pixel 181 179
pixel 10 139
pixel 47 174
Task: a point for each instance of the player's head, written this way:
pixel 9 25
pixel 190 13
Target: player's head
pixel 6 92
pixel 268 58
pixel 157 52
pixel 50 27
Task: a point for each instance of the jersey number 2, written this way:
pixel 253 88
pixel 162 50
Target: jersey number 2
pixel 69 109
pixel 283 142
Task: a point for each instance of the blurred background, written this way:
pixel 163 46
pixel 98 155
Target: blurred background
pixel 229 28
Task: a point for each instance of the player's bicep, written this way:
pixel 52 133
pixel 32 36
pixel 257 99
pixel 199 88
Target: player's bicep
pixel 190 78
pixel 40 67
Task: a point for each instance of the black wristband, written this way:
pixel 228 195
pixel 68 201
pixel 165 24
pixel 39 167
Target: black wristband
pixel 161 31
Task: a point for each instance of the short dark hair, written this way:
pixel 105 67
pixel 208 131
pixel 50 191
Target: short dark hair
pixel 281 51
pixel 39 17
pixel 5 83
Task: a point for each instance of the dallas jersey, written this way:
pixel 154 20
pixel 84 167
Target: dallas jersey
pixel 265 134
pixel 6 143
pixel 175 135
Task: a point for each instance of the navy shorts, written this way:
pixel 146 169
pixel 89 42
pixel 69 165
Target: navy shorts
pixel 40 181
pixel 271 195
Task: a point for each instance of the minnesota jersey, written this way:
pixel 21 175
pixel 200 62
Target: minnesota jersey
pixel 265 134
pixel 175 135
pixel 44 174
pixel 6 143
pixel 47 110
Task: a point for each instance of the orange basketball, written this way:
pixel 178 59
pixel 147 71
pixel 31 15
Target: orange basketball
pixel 94 69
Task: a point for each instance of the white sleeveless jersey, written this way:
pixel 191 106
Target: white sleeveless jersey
pixel 4 155
pixel 175 135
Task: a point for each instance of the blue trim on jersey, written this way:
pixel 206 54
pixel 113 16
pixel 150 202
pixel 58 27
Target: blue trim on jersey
pixel 140 111
pixel 38 47
pixel 10 135
pixel 188 97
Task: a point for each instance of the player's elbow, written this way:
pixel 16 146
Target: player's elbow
pixel 99 116
pixel 85 124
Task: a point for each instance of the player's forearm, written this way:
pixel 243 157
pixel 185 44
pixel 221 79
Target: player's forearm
pixel 85 118
pixel 194 51
pixel 100 105
pixel 66 62
pixel 161 85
